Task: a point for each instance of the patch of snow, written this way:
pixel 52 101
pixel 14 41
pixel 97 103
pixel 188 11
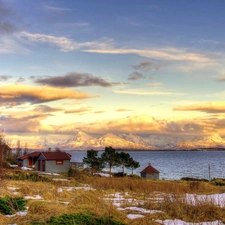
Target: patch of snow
pixel 217 199
pixel 44 173
pixel 13 166
pixel 26 168
pixel 60 190
pixel 134 216
pixel 181 222
pixel 118 199
pixel 86 188
pixel 68 188
pixel 65 203
pixel 12 188
pixel 35 197
pixel 60 179
pixel 21 213
pixel 142 210
pixel 103 174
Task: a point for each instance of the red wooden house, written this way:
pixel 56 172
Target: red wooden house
pixel 150 173
pixel 50 162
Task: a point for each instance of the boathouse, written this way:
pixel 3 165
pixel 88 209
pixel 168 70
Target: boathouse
pixel 150 173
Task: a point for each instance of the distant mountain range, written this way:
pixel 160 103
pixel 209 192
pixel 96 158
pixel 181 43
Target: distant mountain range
pixel 83 141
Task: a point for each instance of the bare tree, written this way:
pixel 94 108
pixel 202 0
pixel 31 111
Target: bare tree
pixel 25 151
pixel 2 150
pixel 1 155
pixel 18 150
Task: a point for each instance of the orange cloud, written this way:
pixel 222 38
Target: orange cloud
pixel 19 94
pixel 123 110
pixel 80 110
pixel 146 124
pixel 208 107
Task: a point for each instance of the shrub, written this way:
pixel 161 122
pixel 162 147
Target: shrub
pixel 119 174
pixel 10 205
pixel 31 176
pixel 193 179
pixel 218 181
pixel 80 218
pixel 134 176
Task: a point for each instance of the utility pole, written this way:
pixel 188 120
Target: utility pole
pixel 209 173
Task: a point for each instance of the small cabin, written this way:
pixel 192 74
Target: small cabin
pixel 28 160
pixel 50 162
pixel 150 173
pixel 53 162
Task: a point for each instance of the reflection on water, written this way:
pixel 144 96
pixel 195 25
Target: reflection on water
pixel 174 165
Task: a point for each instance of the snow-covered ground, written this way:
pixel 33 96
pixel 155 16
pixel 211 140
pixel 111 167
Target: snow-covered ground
pixel 133 211
pixel 181 222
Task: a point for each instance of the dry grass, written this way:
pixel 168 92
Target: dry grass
pixel 177 207
pixel 149 186
pixel 3 219
pixel 93 201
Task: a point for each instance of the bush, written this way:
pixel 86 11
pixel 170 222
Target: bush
pixel 80 218
pixel 10 205
pixel 193 179
pixel 218 181
pixel 119 174
pixel 31 176
pixel 134 176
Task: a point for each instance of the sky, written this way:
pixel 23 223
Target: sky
pixel 143 67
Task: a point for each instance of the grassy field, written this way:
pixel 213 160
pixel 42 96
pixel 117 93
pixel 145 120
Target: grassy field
pixel 95 195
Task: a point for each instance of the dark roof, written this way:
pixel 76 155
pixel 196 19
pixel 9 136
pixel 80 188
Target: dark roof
pixel 150 169
pixel 31 155
pixel 56 155
pixel 6 146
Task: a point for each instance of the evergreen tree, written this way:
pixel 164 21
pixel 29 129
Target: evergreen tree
pixel 124 159
pixel 93 161
pixel 133 164
pixel 111 158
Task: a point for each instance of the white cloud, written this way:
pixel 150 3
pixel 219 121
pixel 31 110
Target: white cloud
pixel 159 53
pixel 9 46
pixel 155 85
pixel 142 92
pixel 57 9
pixel 66 44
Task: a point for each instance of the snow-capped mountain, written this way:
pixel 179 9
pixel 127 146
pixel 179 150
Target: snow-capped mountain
pixel 169 141
pixel 213 141
pixel 83 141
pixel 78 141
pixel 133 138
pixel 114 141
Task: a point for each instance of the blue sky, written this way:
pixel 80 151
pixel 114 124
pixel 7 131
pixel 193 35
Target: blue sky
pixel 146 67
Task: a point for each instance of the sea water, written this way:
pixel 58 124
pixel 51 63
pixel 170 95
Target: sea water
pixel 173 165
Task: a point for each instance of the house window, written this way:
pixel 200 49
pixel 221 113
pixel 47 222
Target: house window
pixel 59 162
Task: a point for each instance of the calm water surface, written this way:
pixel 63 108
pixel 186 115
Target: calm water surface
pixel 174 165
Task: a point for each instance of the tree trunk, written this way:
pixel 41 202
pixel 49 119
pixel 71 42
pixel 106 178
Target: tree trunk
pixel 110 170
pixel 123 169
